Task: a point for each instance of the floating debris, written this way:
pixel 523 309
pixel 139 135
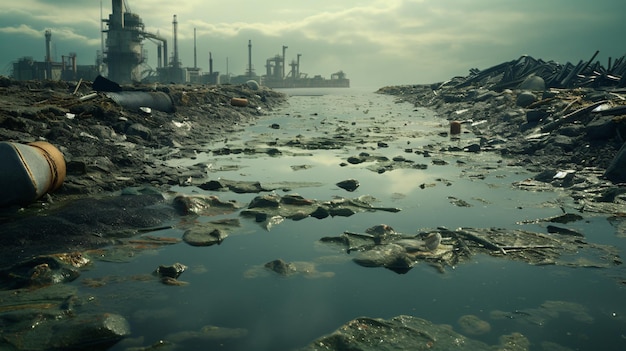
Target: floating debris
pixel 381 246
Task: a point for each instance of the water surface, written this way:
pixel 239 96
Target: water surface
pixel 286 313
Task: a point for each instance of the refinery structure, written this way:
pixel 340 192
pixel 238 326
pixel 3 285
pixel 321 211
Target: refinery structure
pixel 122 59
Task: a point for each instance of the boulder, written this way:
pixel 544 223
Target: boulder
pixel 534 83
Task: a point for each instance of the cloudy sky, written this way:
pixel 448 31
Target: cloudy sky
pixel 375 42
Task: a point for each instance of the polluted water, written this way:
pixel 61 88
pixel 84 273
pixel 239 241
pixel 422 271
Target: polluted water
pixel 355 161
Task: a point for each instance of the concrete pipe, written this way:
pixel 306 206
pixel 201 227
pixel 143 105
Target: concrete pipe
pixel 28 171
pixel 134 100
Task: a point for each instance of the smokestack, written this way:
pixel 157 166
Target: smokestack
pixel 195 52
pixel 165 53
pixel 159 56
pixel 284 49
pixel 298 67
pixel 48 55
pixel 176 63
pixel 210 64
pixel 249 58
pixel 117 17
pixel 48 40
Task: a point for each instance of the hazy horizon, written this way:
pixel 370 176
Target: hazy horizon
pixel 376 42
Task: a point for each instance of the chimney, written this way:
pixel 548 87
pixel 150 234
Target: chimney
pixel 210 64
pixel 195 52
pixel 249 58
pixel 48 55
pixel 117 17
pixel 176 63
pixel 48 40
pixel 284 49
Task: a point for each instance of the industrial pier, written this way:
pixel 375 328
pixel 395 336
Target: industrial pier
pixel 122 59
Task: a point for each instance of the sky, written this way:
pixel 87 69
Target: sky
pixel 375 42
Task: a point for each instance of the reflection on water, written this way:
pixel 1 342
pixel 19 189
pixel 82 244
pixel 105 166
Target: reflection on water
pixel 576 308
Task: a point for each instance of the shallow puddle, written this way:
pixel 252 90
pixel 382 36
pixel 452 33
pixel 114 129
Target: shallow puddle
pixel 412 166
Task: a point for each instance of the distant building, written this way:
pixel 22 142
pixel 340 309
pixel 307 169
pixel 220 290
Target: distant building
pixel 28 69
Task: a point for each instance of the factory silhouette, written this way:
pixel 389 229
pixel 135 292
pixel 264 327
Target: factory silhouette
pixel 122 60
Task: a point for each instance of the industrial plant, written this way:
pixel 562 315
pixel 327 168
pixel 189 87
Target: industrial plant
pixel 123 57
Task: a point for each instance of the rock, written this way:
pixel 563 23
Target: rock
pixel 473 148
pixel 236 186
pixel 38 272
pixel 398 333
pixel 281 267
pixel 173 271
pixel 616 171
pixel 552 229
pixel 380 230
pixel 88 330
pixel 265 201
pixel 341 212
pixel 210 233
pixel 525 98
pixel 66 331
pixel 513 342
pixel 546 175
pixel 390 256
pixel 484 95
pixel 513 116
pixel 533 83
pixel 601 128
pixel 536 115
pixel 573 130
pixel 355 160
pixel 138 129
pixel 203 205
pixel 565 218
pixel 610 194
pixel 349 184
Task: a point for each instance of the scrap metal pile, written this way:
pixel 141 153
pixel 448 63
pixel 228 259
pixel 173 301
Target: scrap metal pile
pixel 566 76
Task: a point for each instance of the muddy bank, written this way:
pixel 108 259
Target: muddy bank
pixel 109 147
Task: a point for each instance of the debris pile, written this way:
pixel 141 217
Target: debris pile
pixel 114 137
pixel 542 115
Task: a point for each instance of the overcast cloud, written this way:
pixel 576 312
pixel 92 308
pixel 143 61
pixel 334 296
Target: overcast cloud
pixel 377 43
